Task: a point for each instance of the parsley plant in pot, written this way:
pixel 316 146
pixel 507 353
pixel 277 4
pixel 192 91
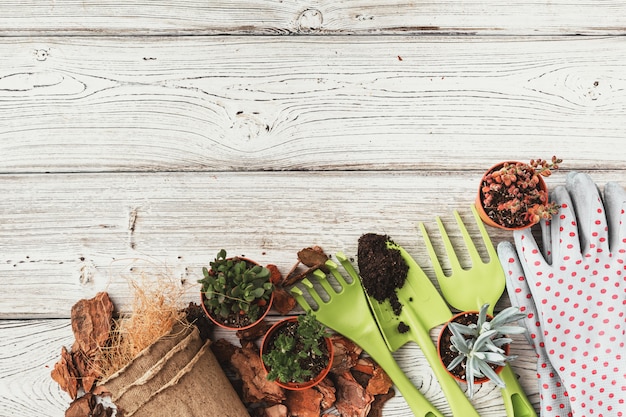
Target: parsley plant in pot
pixel 513 195
pixel 474 347
pixel 297 352
pixel 236 292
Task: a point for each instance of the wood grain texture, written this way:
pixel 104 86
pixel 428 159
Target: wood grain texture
pixel 97 17
pixel 28 351
pixel 80 104
pixel 30 348
pixel 139 138
pixel 66 237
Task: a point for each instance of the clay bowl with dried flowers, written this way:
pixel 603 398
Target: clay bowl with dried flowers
pixel 296 352
pixel 236 292
pixel 513 195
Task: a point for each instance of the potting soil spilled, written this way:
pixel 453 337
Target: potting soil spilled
pixel 382 269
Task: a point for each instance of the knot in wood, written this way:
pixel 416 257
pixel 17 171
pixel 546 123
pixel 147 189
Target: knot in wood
pixel 310 20
pixel 248 126
pixel 41 54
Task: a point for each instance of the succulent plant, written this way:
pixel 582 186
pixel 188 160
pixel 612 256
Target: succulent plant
pixel 480 345
pixel 511 195
pixel 233 285
pixel 292 355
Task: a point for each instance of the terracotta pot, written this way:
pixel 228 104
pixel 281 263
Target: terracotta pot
pixel 296 386
pixel 211 317
pixel 479 199
pixel 441 348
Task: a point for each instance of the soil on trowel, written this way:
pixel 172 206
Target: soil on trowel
pixel 382 269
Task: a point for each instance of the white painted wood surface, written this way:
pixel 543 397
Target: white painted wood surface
pixel 282 17
pixel 139 139
pixel 314 103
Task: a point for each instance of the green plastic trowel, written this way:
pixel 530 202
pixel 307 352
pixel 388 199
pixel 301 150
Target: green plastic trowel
pixel 422 309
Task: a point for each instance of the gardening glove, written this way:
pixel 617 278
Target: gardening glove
pixel 580 293
pixel 552 394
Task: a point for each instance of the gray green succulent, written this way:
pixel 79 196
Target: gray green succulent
pixel 481 344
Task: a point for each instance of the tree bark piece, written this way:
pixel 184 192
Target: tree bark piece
pixel 304 403
pixel 80 407
pixel 346 354
pixel 327 388
pixel 66 374
pixel 278 410
pixel 256 387
pixel 376 409
pixel 91 322
pixel 352 399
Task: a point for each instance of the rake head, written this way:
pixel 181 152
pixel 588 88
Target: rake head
pixel 344 309
pixel 468 288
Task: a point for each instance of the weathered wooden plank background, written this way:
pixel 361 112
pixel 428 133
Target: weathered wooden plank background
pixel 283 17
pixel 139 139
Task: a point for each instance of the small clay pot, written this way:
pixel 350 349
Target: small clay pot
pixel 219 323
pixel 295 386
pixel 443 347
pixel 479 200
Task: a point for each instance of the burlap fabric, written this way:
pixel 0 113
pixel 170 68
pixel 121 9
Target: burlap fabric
pixel 136 394
pixel 199 389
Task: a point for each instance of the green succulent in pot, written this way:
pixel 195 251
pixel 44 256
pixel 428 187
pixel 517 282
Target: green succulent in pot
pixel 236 292
pixel 297 352
pixel 474 346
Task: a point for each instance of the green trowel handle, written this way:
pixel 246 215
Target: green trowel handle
pixel 516 403
pixel 459 404
pixel 417 402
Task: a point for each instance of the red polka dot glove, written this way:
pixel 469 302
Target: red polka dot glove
pixel 579 291
pixel 554 401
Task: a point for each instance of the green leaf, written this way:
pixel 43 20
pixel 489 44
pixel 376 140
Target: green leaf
pixel 455 362
pixel 488 371
pixel 258 292
pixel 483 338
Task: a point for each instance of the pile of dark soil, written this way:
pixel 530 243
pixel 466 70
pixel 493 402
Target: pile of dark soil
pixel 382 269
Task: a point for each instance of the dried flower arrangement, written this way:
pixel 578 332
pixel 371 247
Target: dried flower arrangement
pixel 514 195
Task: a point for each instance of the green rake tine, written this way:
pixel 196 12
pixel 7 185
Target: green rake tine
pixel 431 251
pixel 469 243
pixel 323 280
pixel 347 265
pixel 311 290
pixel 299 296
pixel 491 250
pixel 455 264
pixel 334 269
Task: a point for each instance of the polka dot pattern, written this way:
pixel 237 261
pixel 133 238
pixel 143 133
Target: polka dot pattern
pixel 553 396
pixel 576 304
